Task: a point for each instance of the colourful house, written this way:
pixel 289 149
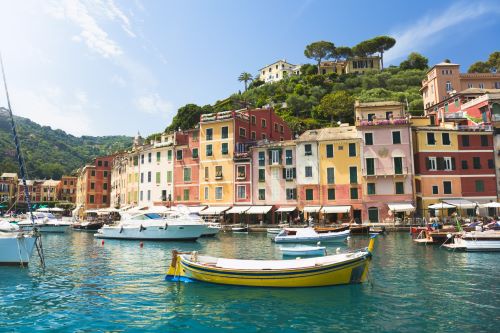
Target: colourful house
pixel 186 170
pixel 329 173
pixel 340 190
pixel 453 162
pixel 225 140
pixel 387 164
pixel 274 178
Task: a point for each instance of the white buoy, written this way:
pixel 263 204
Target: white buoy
pixel 338 250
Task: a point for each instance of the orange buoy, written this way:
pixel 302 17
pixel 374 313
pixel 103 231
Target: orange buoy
pixel 141 244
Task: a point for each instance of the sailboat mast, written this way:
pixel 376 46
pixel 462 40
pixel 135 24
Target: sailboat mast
pixel 20 159
pixel 22 166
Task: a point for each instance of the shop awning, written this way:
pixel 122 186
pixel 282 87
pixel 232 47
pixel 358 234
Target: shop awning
pixel 196 209
pixel 461 203
pixel 286 209
pixel 238 209
pixel 214 210
pixel 258 209
pixel 336 209
pixel 440 205
pixel 491 205
pixel 401 207
pixel 312 209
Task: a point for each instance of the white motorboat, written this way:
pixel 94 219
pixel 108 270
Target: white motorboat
pixel 304 251
pixel 309 235
pixel 275 231
pixel 45 222
pixel 211 229
pixel 152 226
pixel 476 241
pixel 16 246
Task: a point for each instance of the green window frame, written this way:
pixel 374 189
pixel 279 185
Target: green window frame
pixel 329 151
pixel 262 175
pixel 479 185
pixel 368 139
pixel 158 156
pixel 330 175
pixel 158 177
pixel 370 188
pixel 396 137
pixel 352 150
pixel 309 194
pixel 400 188
pixel 225 148
pixel 208 150
pixel 195 153
pixel 169 176
pixel 354 193
pixel 353 175
pixel 331 194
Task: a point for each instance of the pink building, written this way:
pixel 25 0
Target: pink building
pixel 445 79
pixel 186 167
pixel 274 178
pixel 387 166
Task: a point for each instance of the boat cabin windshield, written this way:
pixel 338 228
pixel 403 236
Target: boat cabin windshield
pixel 147 216
pixel 39 215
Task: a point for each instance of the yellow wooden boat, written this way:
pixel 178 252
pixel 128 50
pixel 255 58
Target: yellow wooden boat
pixel 344 268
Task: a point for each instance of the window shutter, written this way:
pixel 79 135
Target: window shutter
pixel 428 163
pixel 440 163
pixel 284 173
pixel 294 173
pixel 453 164
pixel 270 154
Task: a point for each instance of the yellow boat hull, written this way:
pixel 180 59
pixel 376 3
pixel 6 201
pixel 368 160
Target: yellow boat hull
pixel 350 271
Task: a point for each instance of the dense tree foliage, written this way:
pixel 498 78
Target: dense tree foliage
pixel 319 51
pixel 188 116
pixel 415 61
pixel 338 106
pixel 492 64
pixel 51 153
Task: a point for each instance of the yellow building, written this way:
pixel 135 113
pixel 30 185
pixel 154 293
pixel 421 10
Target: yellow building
pixel 217 142
pixel 351 65
pixel 8 187
pixel 340 177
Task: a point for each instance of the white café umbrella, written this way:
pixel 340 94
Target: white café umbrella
pixel 491 205
pixel 440 205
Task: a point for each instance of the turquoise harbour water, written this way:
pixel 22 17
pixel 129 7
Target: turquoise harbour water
pixel 88 287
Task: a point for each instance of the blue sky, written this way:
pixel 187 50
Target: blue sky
pixel 102 67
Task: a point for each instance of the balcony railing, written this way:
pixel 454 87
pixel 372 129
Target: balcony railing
pixel 374 122
pixel 384 172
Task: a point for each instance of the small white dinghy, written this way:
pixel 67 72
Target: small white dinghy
pixel 309 235
pixel 304 251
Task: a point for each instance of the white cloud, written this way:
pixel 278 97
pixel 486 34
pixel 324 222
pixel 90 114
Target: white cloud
pixel 94 36
pixel 425 32
pixel 114 12
pixel 51 106
pixel 153 104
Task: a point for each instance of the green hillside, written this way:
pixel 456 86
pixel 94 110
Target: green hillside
pixel 51 153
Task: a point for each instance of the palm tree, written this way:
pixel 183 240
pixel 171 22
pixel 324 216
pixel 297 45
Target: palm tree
pixel 245 77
